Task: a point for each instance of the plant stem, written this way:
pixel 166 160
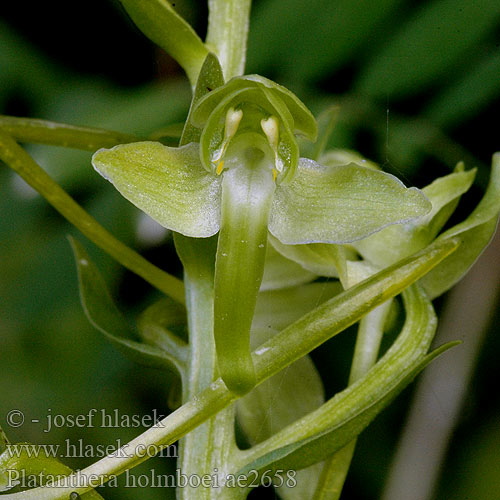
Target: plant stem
pixel 370 333
pixel 295 341
pixel 228 23
pixel 22 163
pixel 60 134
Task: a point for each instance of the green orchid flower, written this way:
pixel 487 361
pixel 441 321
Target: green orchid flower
pixel 243 178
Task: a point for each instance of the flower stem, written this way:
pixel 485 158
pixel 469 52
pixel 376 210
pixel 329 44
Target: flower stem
pixel 22 163
pixel 228 23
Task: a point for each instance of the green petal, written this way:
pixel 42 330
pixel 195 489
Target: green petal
pixel 169 184
pixel 475 233
pixel 399 241
pixel 341 204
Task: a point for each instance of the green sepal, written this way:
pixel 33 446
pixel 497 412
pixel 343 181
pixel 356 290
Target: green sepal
pixel 241 250
pixel 159 21
pixel 341 204
pixel 169 184
pixel 475 233
pixel 396 242
pixel 303 121
pixel 209 79
pixel 342 418
pixel 31 461
pixel 102 312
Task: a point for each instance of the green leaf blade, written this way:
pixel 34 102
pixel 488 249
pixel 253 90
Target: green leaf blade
pixel 158 20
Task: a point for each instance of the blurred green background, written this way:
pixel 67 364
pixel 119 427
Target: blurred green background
pixel 419 88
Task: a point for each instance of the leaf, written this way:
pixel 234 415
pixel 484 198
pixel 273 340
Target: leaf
pixel 343 417
pixel 427 46
pixel 396 242
pixel 104 315
pixel 280 272
pixel 341 204
pixel 159 21
pixel 22 462
pixel 475 233
pixel 285 397
pixel 169 184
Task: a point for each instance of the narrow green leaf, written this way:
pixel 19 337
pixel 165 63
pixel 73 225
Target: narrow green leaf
pixel 345 309
pixel 475 233
pixel 61 134
pixel 105 316
pixel 343 417
pixel 246 199
pixel 341 204
pixel 159 21
pixel 280 272
pixel 25 461
pixel 427 46
pixel 209 79
pixel 395 242
pixel 169 184
pixel 3 440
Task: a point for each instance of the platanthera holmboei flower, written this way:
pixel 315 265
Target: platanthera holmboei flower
pixel 243 179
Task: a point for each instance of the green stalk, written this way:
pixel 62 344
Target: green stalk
pixel 22 163
pixel 227 34
pixel 246 200
pixel 60 134
pixel 209 446
pixel 322 323
pixel 370 333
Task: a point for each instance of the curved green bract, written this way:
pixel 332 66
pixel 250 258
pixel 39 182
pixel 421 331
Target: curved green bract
pixel 102 312
pixel 341 204
pixel 475 233
pixel 169 184
pixel 163 26
pixel 396 242
pixel 342 418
